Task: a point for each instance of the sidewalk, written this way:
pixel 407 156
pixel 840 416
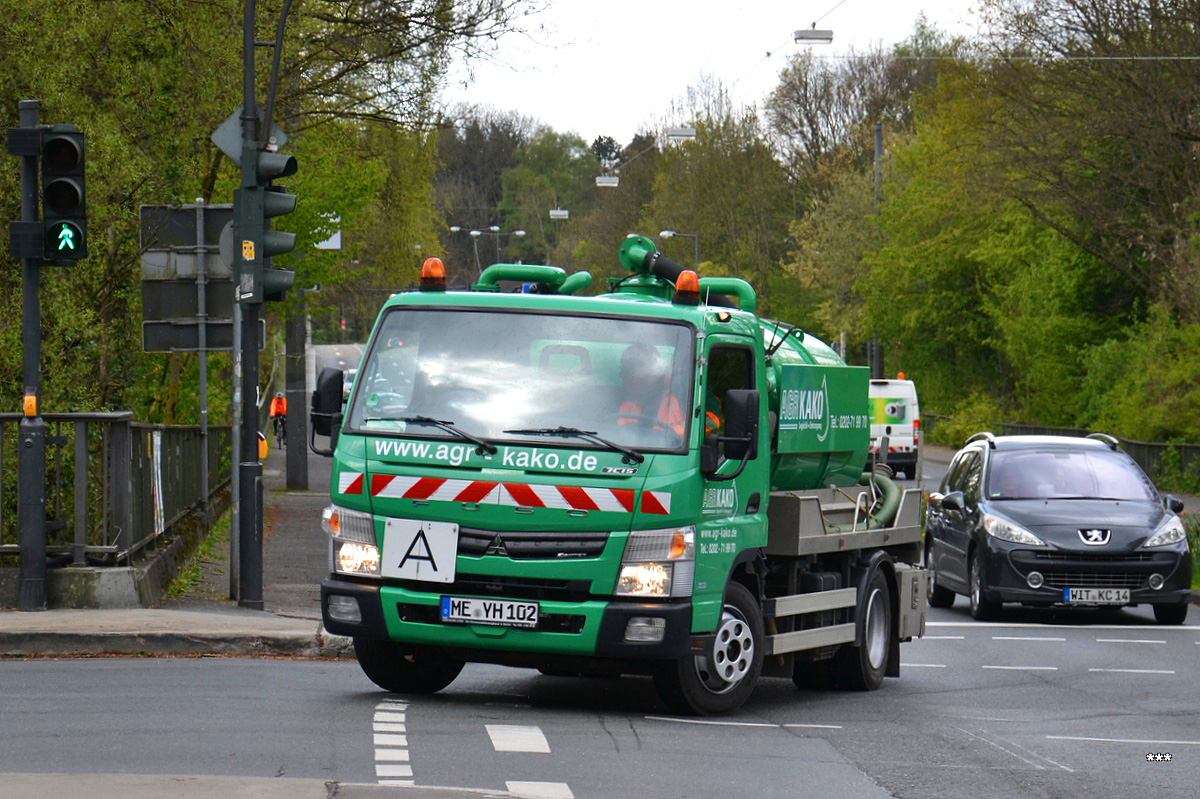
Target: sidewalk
pixel 205 621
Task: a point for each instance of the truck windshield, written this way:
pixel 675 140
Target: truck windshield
pixel 510 376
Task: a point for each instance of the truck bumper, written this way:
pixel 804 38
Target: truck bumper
pixel 610 630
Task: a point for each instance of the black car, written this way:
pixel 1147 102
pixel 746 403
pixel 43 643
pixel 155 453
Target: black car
pixel 1054 520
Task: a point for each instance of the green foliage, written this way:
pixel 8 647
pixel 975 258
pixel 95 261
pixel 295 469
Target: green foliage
pixel 976 414
pixel 1144 381
pixel 1173 476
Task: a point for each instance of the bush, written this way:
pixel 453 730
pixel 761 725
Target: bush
pixel 974 415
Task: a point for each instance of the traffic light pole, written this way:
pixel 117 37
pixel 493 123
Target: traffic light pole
pixel 250 549
pixel 31 460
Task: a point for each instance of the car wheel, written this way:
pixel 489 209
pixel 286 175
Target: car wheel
pixel 720 680
pixel 939 595
pixel 982 608
pixel 1171 614
pixel 401 671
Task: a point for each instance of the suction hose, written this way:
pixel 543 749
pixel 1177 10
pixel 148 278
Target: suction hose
pixel 884 511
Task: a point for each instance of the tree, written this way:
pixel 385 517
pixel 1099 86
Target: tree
pixel 1099 132
pixel 727 187
pixel 827 109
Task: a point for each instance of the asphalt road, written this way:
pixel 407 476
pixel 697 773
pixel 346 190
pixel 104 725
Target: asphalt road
pixel 1039 705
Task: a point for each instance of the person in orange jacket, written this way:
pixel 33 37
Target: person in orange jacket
pixel 646 381
pixel 278 413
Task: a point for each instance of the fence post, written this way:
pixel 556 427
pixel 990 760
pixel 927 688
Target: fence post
pixel 120 487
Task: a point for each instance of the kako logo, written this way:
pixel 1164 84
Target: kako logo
pixel 1095 538
pixel 807 409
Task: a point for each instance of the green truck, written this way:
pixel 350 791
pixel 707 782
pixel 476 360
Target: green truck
pixel 653 480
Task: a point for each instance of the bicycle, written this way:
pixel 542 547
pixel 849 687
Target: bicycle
pixel 280 423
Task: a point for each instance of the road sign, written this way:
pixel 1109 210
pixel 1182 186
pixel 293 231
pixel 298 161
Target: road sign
pixel 185 285
pixel 184 336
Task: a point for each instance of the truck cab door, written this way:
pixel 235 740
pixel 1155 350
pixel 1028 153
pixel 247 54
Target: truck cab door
pixel 734 468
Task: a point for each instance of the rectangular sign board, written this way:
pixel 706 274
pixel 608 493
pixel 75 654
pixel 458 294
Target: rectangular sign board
pixel 184 336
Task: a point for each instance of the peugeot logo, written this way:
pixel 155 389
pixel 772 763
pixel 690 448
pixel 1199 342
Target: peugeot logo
pixel 496 547
pixel 1095 538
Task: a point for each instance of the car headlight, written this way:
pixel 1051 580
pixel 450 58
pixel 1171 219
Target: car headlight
pixel 658 563
pixel 354 550
pixel 1170 533
pixel 1007 531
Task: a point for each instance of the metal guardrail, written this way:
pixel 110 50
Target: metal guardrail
pixel 1148 454
pixel 112 487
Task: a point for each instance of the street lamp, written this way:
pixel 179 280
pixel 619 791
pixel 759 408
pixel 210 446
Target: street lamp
pixel 695 237
pixel 494 232
pixel 813 36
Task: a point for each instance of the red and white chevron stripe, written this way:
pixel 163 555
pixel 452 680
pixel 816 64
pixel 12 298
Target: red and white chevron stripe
pixel 481 492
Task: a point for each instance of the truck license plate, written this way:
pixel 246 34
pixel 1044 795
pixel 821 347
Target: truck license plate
pixel 1096 596
pixel 500 612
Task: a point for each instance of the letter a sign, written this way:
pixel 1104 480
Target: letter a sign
pixel 414 550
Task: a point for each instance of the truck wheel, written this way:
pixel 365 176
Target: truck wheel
pixel 939 595
pixel 982 608
pixel 720 680
pixel 396 669
pixel 862 667
pixel 1170 614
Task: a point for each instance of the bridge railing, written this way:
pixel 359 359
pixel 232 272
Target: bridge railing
pixel 112 486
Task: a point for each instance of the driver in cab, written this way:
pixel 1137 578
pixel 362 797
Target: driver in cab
pixel 646 382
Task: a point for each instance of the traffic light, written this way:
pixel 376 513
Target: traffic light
pixel 277 282
pixel 255 204
pixel 64 201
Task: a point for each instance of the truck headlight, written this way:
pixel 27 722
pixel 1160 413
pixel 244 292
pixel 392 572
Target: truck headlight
pixel 354 550
pixel 1170 533
pixel 658 563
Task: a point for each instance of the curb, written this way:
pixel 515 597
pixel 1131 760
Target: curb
pixel 183 643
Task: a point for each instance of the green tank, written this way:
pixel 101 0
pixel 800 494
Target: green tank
pixel 818 408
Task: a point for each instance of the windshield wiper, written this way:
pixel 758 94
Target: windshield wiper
pixel 449 427
pixel 630 455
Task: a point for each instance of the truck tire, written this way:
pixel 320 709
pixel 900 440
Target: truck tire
pixel 862 667
pixel 720 680
pixel 401 671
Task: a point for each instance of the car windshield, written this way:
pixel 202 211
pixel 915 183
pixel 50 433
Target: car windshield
pixel 1051 474
pixel 521 376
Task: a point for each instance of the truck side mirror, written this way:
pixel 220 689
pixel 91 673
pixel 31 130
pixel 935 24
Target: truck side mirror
pixel 741 424
pixel 741 439
pixel 325 416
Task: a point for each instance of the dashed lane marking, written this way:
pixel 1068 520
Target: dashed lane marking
pixel 391 743
pixel 1140 741
pixel 1129 641
pixel 922 665
pixel 1022 668
pixel 1137 671
pixel 1025 638
pixel 540 790
pixel 517 738
pixel 710 722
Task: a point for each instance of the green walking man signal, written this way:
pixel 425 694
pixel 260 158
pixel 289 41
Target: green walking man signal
pixel 64 202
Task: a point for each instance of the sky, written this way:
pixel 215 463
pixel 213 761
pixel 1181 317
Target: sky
pixel 613 68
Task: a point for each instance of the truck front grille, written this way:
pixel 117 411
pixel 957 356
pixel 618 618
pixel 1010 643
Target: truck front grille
pixel 531 546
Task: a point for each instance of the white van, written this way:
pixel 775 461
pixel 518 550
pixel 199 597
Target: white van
pixel 896 414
